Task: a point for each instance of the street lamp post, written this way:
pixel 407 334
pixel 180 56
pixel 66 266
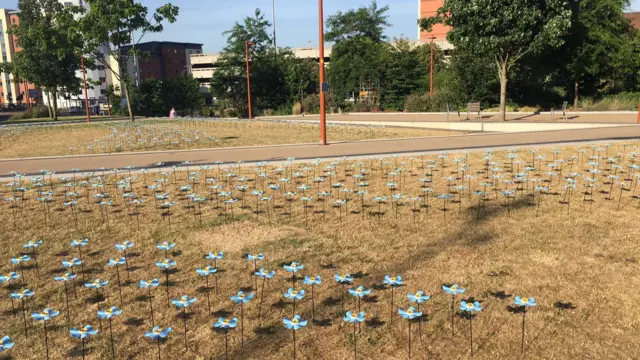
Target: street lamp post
pixel 86 95
pixel 323 114
pixel 247 44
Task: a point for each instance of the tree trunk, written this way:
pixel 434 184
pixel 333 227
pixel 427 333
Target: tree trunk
pixel 576 96
pixel 49 105
pixel 126 94
pixel 502 73
pixel 55 105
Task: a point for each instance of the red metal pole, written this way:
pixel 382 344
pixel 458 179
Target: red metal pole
pixel 86 95
pixel 431 76
pixel 323 111
pixel 247 43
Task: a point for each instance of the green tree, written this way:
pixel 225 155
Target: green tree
pixel 154 97
pixel 49 58
pixel 302 78
pixel 356 57
pixel 596 36
pixel 506 30
pixel 109 25
pixel 269 68
pixel 368 22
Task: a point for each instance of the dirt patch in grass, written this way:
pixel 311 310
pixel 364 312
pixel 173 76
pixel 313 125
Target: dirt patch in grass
pixel 576 254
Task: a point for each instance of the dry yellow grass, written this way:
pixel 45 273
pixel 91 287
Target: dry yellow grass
pixel 580 262
pixel 155 135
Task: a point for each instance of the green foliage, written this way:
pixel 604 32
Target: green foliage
pixel 363 22
pixel 508 32
pixel 109 25
pixel 156 98
pixel 617 102
pixel 278 79
pixel 36 112
pixel 49 58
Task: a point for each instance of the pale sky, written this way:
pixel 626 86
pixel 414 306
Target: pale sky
pixel 204 22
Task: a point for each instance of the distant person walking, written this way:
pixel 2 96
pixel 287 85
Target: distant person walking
pixel 172 113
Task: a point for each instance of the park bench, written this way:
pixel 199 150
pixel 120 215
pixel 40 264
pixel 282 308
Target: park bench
pixel 473 108
pixel 449 111
pixel 564 111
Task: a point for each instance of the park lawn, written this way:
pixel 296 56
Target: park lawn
pixel 157 135
pixel 578 258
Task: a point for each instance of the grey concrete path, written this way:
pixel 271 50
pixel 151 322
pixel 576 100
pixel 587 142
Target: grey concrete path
pixel 310 151
pixel 583 117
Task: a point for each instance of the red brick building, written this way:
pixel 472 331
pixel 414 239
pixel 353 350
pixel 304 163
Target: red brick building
pixel 428 8
pixel 635 19
pixel 165 60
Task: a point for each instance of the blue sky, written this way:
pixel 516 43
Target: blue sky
pixel 296 20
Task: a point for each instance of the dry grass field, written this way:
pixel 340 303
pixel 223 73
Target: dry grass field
pixel 155 135
pixel 576 254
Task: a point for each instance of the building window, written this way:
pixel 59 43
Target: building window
pixel 103 79
pixel 103 91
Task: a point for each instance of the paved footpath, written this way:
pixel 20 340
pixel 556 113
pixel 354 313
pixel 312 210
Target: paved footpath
pixel 311 151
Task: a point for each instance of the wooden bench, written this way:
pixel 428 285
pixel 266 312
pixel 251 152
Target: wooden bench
pixel 473 108
pixel 449 111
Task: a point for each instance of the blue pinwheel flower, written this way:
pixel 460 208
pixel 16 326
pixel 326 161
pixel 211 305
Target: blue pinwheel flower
pixel 393 280
pixel 83 332
pixel 32 244
pixel 71 263
pixel 22 294
pixel 109 313
pixel 419 297
pixel 6 343
pixel 208 270
pixel 312 280
pixel 96 284
pixel 470 307
pixel 344 279
pixel 242 298
pixel 252 257
pixel 8 277
pixel 264 273
pixel 292 294
pixel 46 315
pixel 166 246
pixel 352 317
pixel 166 264
pixel 79 243
pixel 294 324
pixel 184 302
pixel 116 262
pixel 454 289
pixel 226 323
pixel 360 292
pixel 410 313
pixel 215 255
pixel 528 302
pixel 124 246
pixel 294 267
pixel 144 284
pixel 20 259
pixel 157 333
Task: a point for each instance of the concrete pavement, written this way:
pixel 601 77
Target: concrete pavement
pixel 311 151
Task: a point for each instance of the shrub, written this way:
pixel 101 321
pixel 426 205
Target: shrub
pixel 230 113
pixel 296 109
pixel 311 104
pixel 617 102
pixel 32 113
pixel 426 103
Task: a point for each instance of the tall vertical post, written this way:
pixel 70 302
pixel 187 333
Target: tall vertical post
pixel 431 76
pixel 106 83
pixel 323 113
pixel 273 10
pixel 247 43
pixel 86 94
